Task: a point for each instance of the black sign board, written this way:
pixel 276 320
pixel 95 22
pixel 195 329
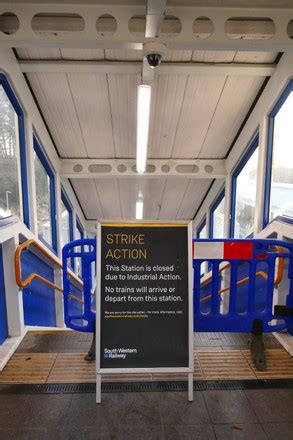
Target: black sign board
pixel 144 296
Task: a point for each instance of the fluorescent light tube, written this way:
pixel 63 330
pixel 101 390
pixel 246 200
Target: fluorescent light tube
pixel 142 132
pixel 139 207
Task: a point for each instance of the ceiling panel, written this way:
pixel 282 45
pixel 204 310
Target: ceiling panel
pixel 54 96
pixel 91 101
pixel 174 191
pixel 152 191
pixel 91 206
pixel 236 99
pixel 122 92
pixel 82 54
pixel 195 192
pixel 35 53
pixel 166 198
pixel 109 196
pixel 200 100
pixel 212 56
pixel 168 96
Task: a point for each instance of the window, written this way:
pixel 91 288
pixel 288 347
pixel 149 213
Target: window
pixel 79 236
pixel 202 230
pixel 13 173
pixel 244 193
pixel 45 197
pixel 217 215
pixel 66 220
pixel 279 175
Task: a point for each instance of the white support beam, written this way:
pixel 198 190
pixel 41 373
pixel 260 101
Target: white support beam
pixel 154 17
pixel 75 26
pixel 133 67
pixel 101 168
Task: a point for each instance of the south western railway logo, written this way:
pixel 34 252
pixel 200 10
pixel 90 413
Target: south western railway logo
pixel 118 353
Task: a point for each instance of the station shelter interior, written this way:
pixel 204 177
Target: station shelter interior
pixel 219 154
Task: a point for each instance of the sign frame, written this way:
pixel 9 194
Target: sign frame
pixel 188 370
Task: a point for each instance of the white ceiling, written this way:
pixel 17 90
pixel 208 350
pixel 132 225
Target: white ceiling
pixel 94 115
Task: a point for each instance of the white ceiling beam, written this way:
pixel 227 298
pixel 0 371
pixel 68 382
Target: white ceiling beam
pixel 133 67
pixel 101 168
pixel 154 17
pixel 253 29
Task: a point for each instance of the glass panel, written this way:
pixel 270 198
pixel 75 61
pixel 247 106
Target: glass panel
pixel 218 220
pixel 65 225
pixel 203 232
pixel 246 197
pixel 9 157
pixel 281 202
pixel 43 201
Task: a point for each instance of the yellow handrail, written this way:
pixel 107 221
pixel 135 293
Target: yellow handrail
pixel 24 283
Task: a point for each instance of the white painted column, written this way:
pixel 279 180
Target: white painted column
pixel 14 302
pixel 31 175
pixel 59 308
pixel 227 215
pixel 261 176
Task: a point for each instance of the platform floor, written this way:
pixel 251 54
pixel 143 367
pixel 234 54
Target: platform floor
pixel 258 414
pixel 213 415
pixel 59 358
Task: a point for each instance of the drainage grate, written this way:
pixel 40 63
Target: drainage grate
pixel 135 387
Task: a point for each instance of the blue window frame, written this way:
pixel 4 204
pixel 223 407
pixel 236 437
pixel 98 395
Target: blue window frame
pixel 46 200
pixel 202 229
pixel 278 200
pixel 22 146
pixel 217 215
pixel 243 192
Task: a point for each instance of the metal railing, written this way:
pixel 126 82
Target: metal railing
pixel 35 276
pixel 261 273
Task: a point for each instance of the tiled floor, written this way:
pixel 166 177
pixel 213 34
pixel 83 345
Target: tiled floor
pixel 213 415
pixel 252 414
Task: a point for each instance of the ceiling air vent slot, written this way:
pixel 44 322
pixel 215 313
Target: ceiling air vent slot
pixel 9 23
pixel 106 25
pixel 181 169
pixel 250 28
pixel 203 27
pixel 100 168
pixel 57 23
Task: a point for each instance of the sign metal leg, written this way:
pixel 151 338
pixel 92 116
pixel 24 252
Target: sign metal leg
pixel 99 388
pixel 190 387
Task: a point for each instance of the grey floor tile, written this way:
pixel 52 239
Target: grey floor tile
pixel 272 405
pixel 229 407
pixel 176 410
pixel 45 411
pixel 280 431
pixel 13 410
pixel 126 432
pixel 140 409
pixel 24 434
pixel 188 432
pixel 239 431
pixel 83 412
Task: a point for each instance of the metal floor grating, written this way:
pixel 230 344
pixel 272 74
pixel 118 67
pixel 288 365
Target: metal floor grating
pixel 134 387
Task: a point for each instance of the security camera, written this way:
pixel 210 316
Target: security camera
pixel 154 53
pixel 154 59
